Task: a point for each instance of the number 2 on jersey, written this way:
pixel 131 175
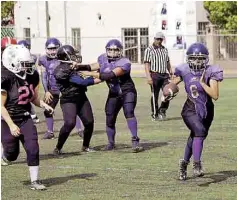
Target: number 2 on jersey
pixel 194 91
pixel 24 94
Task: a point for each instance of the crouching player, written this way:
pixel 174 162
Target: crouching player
pixel 202 85
pixel 73 100
pixel 18 90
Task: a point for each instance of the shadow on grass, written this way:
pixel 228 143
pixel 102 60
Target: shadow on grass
pixel 173 118
pixel 52 156
pixel 218 177
pixel 60 180
pixel 145 145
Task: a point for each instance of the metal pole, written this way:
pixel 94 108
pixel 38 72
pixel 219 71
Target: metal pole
pixel 47 19
pixel 65 21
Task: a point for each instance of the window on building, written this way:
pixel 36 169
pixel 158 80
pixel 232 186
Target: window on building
pixel 26 34
pixel 76 38
pixel 202 27
pixel 135 41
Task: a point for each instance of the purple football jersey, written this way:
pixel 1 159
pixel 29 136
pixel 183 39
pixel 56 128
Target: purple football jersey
pixel 120 84
pixel 50 65
pixel 194 89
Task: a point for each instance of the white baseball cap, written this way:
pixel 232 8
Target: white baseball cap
pixel 159 35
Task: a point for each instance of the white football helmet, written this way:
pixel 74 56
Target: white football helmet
pixel 17 59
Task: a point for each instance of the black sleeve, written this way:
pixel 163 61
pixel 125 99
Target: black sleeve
pixel 36 79
pixel 6 80
pixel 62 73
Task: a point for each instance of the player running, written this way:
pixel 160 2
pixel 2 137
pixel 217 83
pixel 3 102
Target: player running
pixel 18 89
pixel 201 82
pixel 27 44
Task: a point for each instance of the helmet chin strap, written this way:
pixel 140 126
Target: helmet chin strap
pixel 21 77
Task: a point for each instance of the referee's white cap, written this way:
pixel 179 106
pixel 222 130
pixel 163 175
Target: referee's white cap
pixel 159 35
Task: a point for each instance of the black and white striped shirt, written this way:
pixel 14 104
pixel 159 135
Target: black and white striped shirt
pixel 158 58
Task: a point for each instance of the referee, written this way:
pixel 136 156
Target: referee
pixel 158 71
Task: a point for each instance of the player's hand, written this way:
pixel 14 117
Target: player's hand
pixel 48 97
pixel 172 76
pixel 46 107
pixel 202 80
pixel 86 73
pixel 97 80
pixel 149 81
pixel 15 130
pixel 74 65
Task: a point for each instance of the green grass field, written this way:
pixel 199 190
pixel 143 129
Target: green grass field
pixel 121 174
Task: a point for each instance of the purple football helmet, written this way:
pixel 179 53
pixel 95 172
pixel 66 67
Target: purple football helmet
pixel 51 46
pixel 197 57
pixel 114 49
pixel 25 43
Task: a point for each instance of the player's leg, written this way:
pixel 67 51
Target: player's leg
pixel 200 132
pixel 49 118
pixel 112 108
pixel 183 163
pixel 164 105
pixel 129 105
pixel 10 145
pixel 84 111
pixel 155 89
pixel 29 139
pixel 79 127
pixel 33 115
pixel 69 116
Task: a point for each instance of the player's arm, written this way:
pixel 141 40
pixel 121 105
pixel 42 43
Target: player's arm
pixel 176 80
pixel 77 79
pixel 44 79
pixel 4 112
pixel 147 63
pixel 15 130
pixel 104 76
pixel 40 103
pixel 212 90
pixel 85 67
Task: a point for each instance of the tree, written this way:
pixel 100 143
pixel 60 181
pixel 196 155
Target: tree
pixel 222 13
pixel 7 9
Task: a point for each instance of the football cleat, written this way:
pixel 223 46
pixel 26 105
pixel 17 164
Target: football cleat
pixel 162 115
pixel 5 162
pixel 88 149
pixel 135 145
pixel 197 169
pixel 109 147
pixel 183 165
pixel 57 152
pixel 48 135
pixel 35 119
pixel 37 185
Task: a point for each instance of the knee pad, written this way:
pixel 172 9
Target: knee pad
pixel 200 132
pixel 129 110
pixel 110 121
pixel 69 125
pixel 11 153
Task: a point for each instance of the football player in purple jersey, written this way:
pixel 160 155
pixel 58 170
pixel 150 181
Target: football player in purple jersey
pixel 201 82
pixel 115 69
pixel 49 62
pixel 18 89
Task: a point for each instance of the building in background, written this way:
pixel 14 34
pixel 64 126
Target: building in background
pixel 89 25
